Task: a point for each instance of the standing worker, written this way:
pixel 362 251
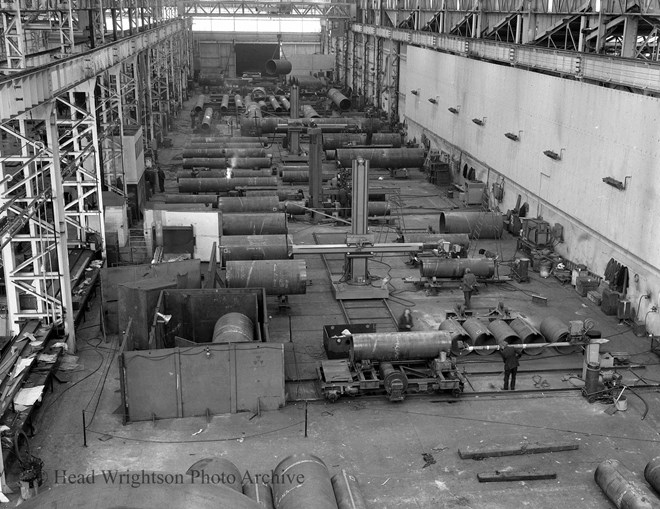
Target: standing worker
pixel 469 286
pixel 510 358
pixel 406 321
pixel 343 202
pixel 161 179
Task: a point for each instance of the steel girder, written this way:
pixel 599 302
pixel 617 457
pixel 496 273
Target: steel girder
pixel 267 8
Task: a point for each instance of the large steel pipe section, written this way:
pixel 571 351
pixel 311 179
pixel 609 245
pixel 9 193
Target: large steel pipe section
pixel 233 328
pixel 209 199
pixel 501 331
pixel 254 247
pixel 309 112
pixel 215 185
pixel 234 162
pixel 623 488
pixel 238 101
pixel 252 111
pixel 294 208
pixel 330 124
pixel 455 267
pixel 399 346
pixel 277 277
pixel 652 473
pixel 341 101
pixel 556 331
pixel 347 491
pixel 278 67
pixel 208 117
pixel 459 336
pixel 229 140
pixel 490 224
pixel 226 173
pixel 480 335
pixel 303 176
pixel 274 104
pixel 224 105
pixel 244 204
pixel 260 493
pixel 434 240
pixel 216 468
pixel 204 162
pixel 393 139
pixel 285 102
pixel 204 152
pixel 249 162
pixel 302 481
pixel 383 157
pixel 253 224
pixel 528 335
pixel 333 141
pixel 199 105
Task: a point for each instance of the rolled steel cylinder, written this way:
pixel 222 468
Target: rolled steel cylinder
pixel 209 199
pixel 294 208
pixel 528 335
pixel 206 121
pixel 556 331
pixel 238 101
pixel 274 104
pixel 393 139
pixel 333 141
pixel 303 176
pixel 226 173
pixel 400 346
pixel 433 240
pixel 390 376
pixel 458 335
pixel 501 331
pixel 253 224
pixel 258 93
pixel 277 277
pixel 218 470
pixel 378 208
pixel 234 204
pixel 249 162
pixel 307 82
pixel 491 223
pixel 215 185
pixel 305 167
pixel 302 481
pixel 226 145
pixel 341 101
pixel 254 247
pixel 224 105
pixel 285 103
pixel 204 162
pixel 591 379
pixel 383 158
pixel 233 328
pixel 621 486
pixel 282 194
pixel 455 267
pixel 246 152
pixel 262 104
pixel 213 153
pixel 347 490
pixel 309 112
pixel 652 473
pixel 199 105
pixel 252 110
pixel 229 140
pixel 480 334
pixel 260 493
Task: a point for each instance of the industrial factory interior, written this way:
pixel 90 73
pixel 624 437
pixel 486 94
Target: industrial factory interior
pixel 377 254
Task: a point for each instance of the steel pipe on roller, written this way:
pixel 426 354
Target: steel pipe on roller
pixel 305 167
pixel 205 152
pixel 199 105
pixel 621 486
pixel 302 481
pixel 303 176
pixel 393 139
pixel 229 140
pixel 277 277
pixel 233 328
pixel 492 223
pixel 225 145
pixel 332 141
pixel 253 110
pixel 347 491
pixel 224 105
pixel 341 101
pixel 262 104
pixel 246 152
pixel 378 208
pixel 282 194
pixel 555 330
pixel 249 162
pixel 253 224
pixel 528 334
pixel 222 468
pixel 226 173
pixel 209 199
pixel 285 102
pixel 652 473
pixel 455 267
pixel 206 121
pixel 294 208
pixel 217 152
pixel 307 82
pixel 274 104
pixel 258 93
pixel 309 112
pixel 278 67
pixel 238 101
pixel 501 331
pixel 480 335
pixel 383 157
pixel 254 247
pixel 399 346
pixel 204 162
pixel 459 336
pixel 433 240
pixel 235 204
pixel 260 493
pixel 215 185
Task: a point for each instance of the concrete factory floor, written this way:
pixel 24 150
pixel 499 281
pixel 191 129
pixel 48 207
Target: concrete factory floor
pixel 382 443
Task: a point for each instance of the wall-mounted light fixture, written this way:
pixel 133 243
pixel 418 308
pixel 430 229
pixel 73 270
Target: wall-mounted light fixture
pixel 479 121
pixel 621 186
pixel 415 92
pixel 454 110
pixel 554 155
pixel 513 136
pixel 433 100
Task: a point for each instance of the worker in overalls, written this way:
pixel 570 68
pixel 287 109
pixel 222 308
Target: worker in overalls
pixel 469 286
pixel 406 321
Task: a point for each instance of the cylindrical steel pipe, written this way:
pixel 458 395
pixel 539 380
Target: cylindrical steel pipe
pixel 294 208
pixel 217 468
pixel 252 110
pixel 490 225
pixel 260 493
pixel 282 194
pixel 211 185
pixel 307 82
pixel 204 162
pixel 434 240
pixel 393 139
pixel 233 204
pixel 274 104
pixel 480 334
pixel 340 100
pixel 224 105
pixel 392 376
pixel 216 152
pixel 554 330
pixel 258 93
pixel 285 102
pixel 254 247
pixel 455 267
pixel 249 162
pixel 347 491
pixel 302 481
pixel 233 328
pixel 399 346
pixel 277 277
pixel 332 141
pixel 229 140
pixel 621 486
pixel 238 101
pixel 459 336
pixel 378 208
pixel 303 176
pixel 209 199
pixel 383 157
pixel 206 121
pixel 225 173
pixel 528 334
pixel 199 105
pixel 309 112
pixel 652 473
pixel 253 224
pixel 501 331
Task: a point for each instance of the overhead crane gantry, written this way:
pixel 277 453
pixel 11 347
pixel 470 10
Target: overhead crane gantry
pixel 59 126
pixel 251 8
